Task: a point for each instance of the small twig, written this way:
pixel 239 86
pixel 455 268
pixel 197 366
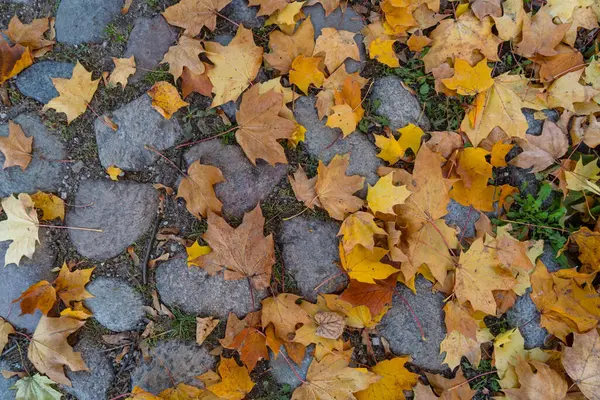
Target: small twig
pixel 121 396
pixel 251 293
pixel 291 367
pixel 537 226
pixel 329 279
pixel 74 228
pixel 10 349
pixel 149 249
pixel 472 379
pixel 161 155
pixel 464 230
pixel 417 321
pixel 208 138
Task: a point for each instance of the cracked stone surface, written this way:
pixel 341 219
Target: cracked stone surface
pixel 310 253
pixel 183 360
pixel 108 304
pixel 123 210
pixel 36 81
pixel 245 185
pixel 14 280
pixel 42 173
pixel 319 139
pixel 92 384
pixel 139 125
pixel 195 292
pixel 398 326
pixel 148 42
pixel 83 21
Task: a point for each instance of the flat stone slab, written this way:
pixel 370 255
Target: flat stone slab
pixel 397 104
pixel 240 12
pixel 245 185
pixel 194 291
pixel 14 280
pixel 42 173
pixel 139 125
pixel 84 21
pixel 400 329
pixel 148 42
pixel 123 210
pixel 324 143
pixel 310 253
pixel 116 305
pixel 183 361
pixel 525 316
pixel 36 81
pixel 92 384
pixel 281 371
pixel 6 393
pixel 347 20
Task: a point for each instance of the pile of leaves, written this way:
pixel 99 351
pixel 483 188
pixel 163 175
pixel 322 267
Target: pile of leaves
pixel 399 231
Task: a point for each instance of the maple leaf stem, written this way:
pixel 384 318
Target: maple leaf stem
pixel 121 396
pixel 161 155
pixel 296 215
pixel 464 230
pixel 472 379
pixel 236 24
pixel 98 116
pixel 206 139
pixel 292 367
pixel 329 279
pixel 417 321
pixel 75 228
pixel 251 293
pixel 443 238
pixel 537 226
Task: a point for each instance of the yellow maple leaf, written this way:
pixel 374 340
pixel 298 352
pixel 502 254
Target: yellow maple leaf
pixel 395 378
pixel 21 227
pixel 584 177
pixel 364 265
pixel 384 195
pixel 337 45
pixel 287 17
pixel 192 15
pixel 74 94
pixel 393 149
pixel 469 80
pixel 52 206
pixel 566 90
pixel 499 152
pixel 16 147
pixel 382 50
pixel 307 70
pixel 347 111
pixel 166 99
pixel 194 252
pixel 124 67
pixel 184 54
pixel 456 346
pixel 235 381
pixel 359 228
pixel 114 172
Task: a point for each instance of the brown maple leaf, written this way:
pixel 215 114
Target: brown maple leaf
pixel 13 60
pixel 193 15
pixel 285 48
pixel 243 251
pixel 376 296
pixel 29 35
pixel 260 126
pixel 197 189
pixel 198 83
pixel 16 147
pixel 541 35
pixel 40 295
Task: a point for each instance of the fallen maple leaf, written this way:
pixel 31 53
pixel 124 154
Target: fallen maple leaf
pixel 335 82
pixel 114 172
pixel 52 206
pixel 40 295
pixel 584 177
pixel 285 314
pixel 165 99
pixel 347 111
pixel 16 147
pixel 589 243
pixel 195 252
pixel 13 60
pixel 196 83
pixel 544 384
pixel 394 379
pixel 124 68
pixel 499 152
pixel 197 189
pixel 306 71
pixel 456 346
pixel 393 149
pixel 287 17
pixel 382 50
pixel 510 24
pixel 235 381
pixel 74 94
pixel 376 296
pixel 49 351
pixel 304 188
pixel 5 330
pixel 359 228
pixel 193 15
pixel 204 327
pixel 181 391
pixel 21 226
pixel 235 66
pixel 243 251
pixel 70 286
pixel 469 80
pixel 331 378
pixel 417 42
pixel 384 195
pixel 29 35
pixel 540 35
pixel 184 54
pixel 582 363
pixel 286 48
pixel 540 152
pixel 36 387
pixel 328 5
pixel 337 45
pixel 260 126
pixel 566 90
pixel 268 7
pixel 364 265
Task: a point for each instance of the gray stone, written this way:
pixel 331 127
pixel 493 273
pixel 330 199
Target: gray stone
pixel 123 210
pixel 347 20
pixel 462 218
pixel 400 328
pixel 520 178
pixel 139 125
pixel 195 292
pixel 36 81
pixel 245 184
pixel 148 42
pixel 310 254
pixel 92 384
pixel 525 316
pixel 397 104
pixel 43 172
pixel 240 12
pixel 14 280
pixel 84 21
pixel 549 259
pixel 183 361
pixel 535 125
pixel 324 143
pixel 282 372
pixel 77 167
pixel 108 304
pixel 6 393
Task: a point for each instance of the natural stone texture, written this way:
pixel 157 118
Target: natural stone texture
pixel 116 305
pixel 148 42
pixel 36 81
pixel 195 292
pixel 281 371
pixel 400 329
pixel 548 257
pixel 535 125
pixel 462 218
pixel 139 125
pixel 240 12
pixel 397 104
pixel 525 316
pixel 84 21
pixel 245 185
pixel 42 173
pixel 520 178
pixel 14 280
pixel 6 393
pixel 92 384
pixel 324 142
pixel 310 253
pixel 182 361
pixel 123 210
